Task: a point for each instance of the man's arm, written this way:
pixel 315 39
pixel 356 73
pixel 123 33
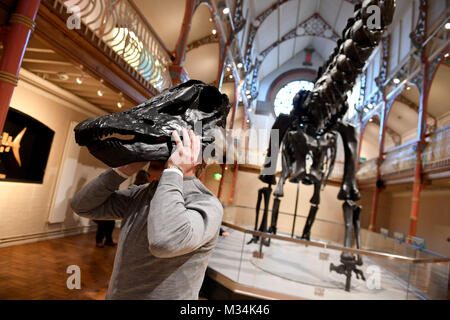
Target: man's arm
pixel 101 199
pixel 176 228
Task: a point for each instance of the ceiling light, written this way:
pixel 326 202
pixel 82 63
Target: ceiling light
pixel 226 11
pixel 371 120
pixel 249 96
pixel 63 76
pixel 408 88
pixel 100 93
pixel 446 55
pixel 239 65
pixel 240 99
pixel 119 105
pixel 210 19
pixel 79 80
pixel 447 25
pixel 248 121
pixel 228 69
pixel 247 92
pixel 396 80
pixel 213 31
pixel 370 106
pixel 230 76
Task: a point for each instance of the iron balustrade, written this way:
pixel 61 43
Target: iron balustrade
pixel 119 27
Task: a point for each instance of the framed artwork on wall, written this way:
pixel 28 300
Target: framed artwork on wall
pixel 24 148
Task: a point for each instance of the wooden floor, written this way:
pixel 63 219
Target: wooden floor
pixel 38 270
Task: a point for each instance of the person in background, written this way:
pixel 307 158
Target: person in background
pixel 223 233
pixel 105 229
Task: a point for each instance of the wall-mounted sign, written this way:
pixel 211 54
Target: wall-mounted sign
pixel 24 148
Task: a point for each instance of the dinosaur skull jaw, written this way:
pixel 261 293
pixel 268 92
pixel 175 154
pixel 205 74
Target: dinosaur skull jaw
pixel 144 133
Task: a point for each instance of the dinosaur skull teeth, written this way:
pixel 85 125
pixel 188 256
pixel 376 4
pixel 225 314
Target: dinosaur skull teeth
pixel 118 136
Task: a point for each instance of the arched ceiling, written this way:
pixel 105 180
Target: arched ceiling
pixel 302 23
pixel 166 18
pixel 202 63
pixel 202 24
pixel 439 103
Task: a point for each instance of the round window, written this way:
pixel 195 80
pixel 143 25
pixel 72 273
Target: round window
pixel 284 97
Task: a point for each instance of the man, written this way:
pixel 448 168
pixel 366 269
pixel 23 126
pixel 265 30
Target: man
pixel 169 228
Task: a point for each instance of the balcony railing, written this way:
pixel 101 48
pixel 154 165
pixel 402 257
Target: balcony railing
pixel 402 159
pixel 399 159
pixel 121 29
pixel 367 170
pixel 437 153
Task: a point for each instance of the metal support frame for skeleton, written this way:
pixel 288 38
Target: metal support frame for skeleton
pixel 311 130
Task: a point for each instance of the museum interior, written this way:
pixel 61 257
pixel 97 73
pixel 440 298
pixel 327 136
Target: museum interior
pixel 62 62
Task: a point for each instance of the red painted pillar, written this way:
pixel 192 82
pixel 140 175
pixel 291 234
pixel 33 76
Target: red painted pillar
pixel 176 69
pixel 14 45
pixel 378 185
pixel 418 183
pixel 373 214
pixel 236 165
pixel 219 192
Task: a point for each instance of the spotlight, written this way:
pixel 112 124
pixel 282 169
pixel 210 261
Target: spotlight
pixel 446 55
pixel 213 31
pixel 247 92
pixel 226 11
pixel 79 80
pixel 100 93
pixel 240 65
pixel 447 26
pixel 408 88
pixel 249 96
pixel 248 121
pixel 230 76
pixel 396 80
pixel 119 105
pixel 228 69
pixel 371 120
pixel 370 106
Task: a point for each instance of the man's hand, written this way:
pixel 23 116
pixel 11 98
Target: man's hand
pixel 132 168
pixel 186 155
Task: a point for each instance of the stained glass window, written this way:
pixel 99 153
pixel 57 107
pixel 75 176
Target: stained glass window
pixel 283 99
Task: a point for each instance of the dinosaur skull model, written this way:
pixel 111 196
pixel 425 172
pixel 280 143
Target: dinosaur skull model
pixel 143 133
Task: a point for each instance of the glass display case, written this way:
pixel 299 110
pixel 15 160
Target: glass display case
pixel 282 266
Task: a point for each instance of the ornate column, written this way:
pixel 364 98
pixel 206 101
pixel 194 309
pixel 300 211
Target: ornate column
pixel 237 93
pixel 423 83
pixel 14 45
pixel 383 118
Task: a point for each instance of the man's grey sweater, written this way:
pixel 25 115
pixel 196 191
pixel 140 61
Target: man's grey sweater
pixel 167 234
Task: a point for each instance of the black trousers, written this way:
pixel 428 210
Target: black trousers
pixel 104 230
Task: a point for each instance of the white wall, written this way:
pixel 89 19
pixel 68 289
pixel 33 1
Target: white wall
pixel 25 207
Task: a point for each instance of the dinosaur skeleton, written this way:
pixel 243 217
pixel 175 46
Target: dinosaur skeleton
pixel 312 127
